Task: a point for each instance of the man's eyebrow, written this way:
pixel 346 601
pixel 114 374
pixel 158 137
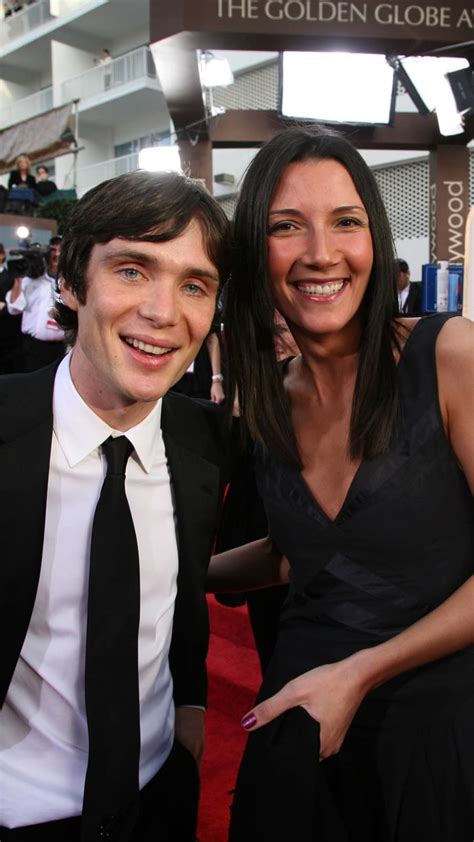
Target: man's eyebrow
pixel 136 256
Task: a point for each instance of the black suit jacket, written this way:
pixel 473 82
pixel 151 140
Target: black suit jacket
pixel 195 450
pixel 412 305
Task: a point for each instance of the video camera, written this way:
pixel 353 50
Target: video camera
pixel 31 262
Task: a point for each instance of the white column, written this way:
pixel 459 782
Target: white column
pixel 468 296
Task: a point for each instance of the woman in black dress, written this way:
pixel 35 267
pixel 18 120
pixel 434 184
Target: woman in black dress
pixel 364 456
pixel 22 176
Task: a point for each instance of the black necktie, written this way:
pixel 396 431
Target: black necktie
pixel 111 677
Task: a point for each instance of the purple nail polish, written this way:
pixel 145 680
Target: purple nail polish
pixel 249 721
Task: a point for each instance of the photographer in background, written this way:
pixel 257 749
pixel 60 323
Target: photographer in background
pixel 32 297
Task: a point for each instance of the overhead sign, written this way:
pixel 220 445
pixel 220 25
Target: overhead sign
pixel 434 21
pixel 342 12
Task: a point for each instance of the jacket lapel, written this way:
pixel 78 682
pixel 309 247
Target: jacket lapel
pixel 195 477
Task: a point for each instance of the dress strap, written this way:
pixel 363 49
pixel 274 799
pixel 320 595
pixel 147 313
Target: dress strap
pixel 418 378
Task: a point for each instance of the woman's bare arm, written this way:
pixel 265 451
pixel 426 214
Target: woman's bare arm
pixel 252 566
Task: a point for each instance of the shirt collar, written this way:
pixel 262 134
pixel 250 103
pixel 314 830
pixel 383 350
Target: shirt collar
pixel 71 414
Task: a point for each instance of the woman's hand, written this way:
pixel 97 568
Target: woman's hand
pixel 217 392
pixel 331 694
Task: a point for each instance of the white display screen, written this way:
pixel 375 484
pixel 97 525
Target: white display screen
pixel 336 87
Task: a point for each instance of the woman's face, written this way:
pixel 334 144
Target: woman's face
pixel 320 250
pixel 23 163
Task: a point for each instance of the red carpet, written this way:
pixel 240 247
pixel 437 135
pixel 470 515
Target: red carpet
pixel 234 678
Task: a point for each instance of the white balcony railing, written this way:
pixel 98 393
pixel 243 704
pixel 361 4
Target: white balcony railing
pixel 21 23
pixel 130 67
pixel 87 177
pixel 28 106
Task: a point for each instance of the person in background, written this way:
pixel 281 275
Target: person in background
pixel 22 176
pixel 10 327
pixel 32 298
pixel 104 61
pixel 409 294
pixel 364 459
pixel 3 265
pixel 43 185
pixel 204 378
pixel 113 489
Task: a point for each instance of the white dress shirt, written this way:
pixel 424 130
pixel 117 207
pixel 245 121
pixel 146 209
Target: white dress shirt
pixel 43 728
pixel 402 297
pixel 34 305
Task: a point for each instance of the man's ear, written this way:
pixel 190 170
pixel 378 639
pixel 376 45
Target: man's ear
pixel 68 298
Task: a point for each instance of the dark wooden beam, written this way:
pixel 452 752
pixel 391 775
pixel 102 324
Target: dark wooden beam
pixel 409 131
pixel 176 64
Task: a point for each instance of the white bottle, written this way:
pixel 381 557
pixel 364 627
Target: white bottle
pixel 442 287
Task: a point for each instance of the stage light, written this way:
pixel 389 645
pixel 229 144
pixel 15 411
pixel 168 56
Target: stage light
pixel 22 232
pixel 337 87
pixel 159 159
pixel 215 72
pixel 425 79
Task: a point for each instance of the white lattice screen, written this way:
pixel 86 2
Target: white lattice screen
pixel 405 192
pixel 255 90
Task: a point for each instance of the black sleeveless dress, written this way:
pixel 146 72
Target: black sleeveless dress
pixel 402 542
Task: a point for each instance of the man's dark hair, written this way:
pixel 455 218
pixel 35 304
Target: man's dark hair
pixel 56 240
pixel 402 265
pixel 42 167
pixel 249 311
pixel 141 206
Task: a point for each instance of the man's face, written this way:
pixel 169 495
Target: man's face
pixel 403 279
pixel 41 174
pixel 149 306
pixel 53 257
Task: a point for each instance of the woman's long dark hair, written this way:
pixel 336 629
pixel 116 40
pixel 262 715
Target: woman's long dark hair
pixel 249 316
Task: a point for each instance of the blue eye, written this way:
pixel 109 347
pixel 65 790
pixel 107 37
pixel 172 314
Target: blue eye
pixel 130 274
pixel 194 289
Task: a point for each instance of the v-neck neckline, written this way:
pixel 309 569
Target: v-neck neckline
pixel 362 468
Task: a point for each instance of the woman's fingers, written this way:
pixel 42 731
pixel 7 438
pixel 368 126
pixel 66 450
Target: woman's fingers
pixel 272 707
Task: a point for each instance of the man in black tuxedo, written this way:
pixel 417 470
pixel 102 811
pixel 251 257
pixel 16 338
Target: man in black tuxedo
pixel 409 294
pixel 100 739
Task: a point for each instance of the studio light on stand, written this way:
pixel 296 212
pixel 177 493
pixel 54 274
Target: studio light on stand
pixel 160 159
pixel 215 73
pixel 425 79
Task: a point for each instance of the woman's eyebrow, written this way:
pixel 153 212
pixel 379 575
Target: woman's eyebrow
pixel 293 211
